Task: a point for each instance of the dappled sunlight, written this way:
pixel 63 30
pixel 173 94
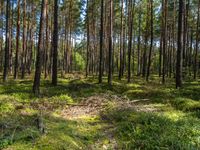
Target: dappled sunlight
pixel 62 98
pixel 83 114
pixel 135 93
pixel 173 129
pixel 70 133
pixel 99 75
pixel 134 85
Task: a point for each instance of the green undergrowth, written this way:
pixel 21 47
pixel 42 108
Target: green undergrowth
pixel 167 130
pixel 172 121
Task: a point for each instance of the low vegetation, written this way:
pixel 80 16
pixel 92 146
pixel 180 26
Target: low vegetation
pixel 81 114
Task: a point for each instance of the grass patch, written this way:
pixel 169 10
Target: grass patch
pixel 167 130
pixel 172 122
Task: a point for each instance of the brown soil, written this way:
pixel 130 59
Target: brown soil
pixel 93 105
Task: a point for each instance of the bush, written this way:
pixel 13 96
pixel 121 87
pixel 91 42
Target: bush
pixel 79 62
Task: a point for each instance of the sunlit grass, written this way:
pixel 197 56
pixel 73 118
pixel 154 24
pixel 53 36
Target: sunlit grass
pixel 173 123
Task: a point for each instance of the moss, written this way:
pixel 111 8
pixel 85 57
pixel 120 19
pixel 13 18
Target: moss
pixel 172 124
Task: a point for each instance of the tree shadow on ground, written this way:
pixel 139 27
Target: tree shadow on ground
pixel 151 130
pixel 21 132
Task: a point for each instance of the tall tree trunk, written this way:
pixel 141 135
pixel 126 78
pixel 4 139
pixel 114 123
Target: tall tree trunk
pixel 88 40
pixel 31 46
pixel 6 59
pixel 11 40
pixel 161 39
pixel 190 53
pixel 110 42
pixel 197 43
pixel 164 41
pixel 151 46
pixel 101 43
pixel 139 43
pixel 130 39
pixel 180 46
pixel 121 42
pixel 24 41
pixel 144 68
pixel 174 38
pixel 47 45
pixel 55 44
pixel 36 84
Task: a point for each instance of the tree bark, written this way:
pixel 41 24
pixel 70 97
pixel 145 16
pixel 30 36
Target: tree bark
pixel 164 41
pixel 88 40
pixel 139 43
pixel 6 59
pixel 110 43
pixel 24 41
pixel 101 43
pixel 55 44
pixel 197 43
pixel 180 46
pixel 151 46
pixel 130 39
pixel 38 66
pixel 121 42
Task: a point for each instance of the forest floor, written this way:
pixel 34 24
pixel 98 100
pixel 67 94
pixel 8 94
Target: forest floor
pixel 81 114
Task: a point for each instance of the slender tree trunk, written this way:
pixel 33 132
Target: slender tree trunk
pixel 139 43
pixel 47 45
pixel 190 53
pixel 88 40
pixel 55 44
pixel 161 39
pixel 31 46
pixel 151 46
pixel 6 59
pixel 38 66
pixel 110 42
pixel 174 38
pixel 1 41
pixel 164 41
pixel 130 39
pixel 144 69
pixel 24 41
pixel 197 43
pixel 121 42
pixel 180 46
pixel 11 40
pixel 101 43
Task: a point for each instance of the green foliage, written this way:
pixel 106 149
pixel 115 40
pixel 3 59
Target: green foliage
pixel 168 130
pixel 79 62
pixel 186 104
pixel 164 118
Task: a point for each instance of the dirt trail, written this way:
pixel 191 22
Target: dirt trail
pixel 93 105
pixel 86 108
